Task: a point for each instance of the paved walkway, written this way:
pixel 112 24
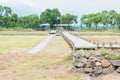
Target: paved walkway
pixel 78 43
pixel 41 45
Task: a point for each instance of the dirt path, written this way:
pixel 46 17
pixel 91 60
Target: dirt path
pixel 57 46
pixel 41 45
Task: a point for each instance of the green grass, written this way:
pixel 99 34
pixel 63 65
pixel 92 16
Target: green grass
pixel 24 32
pixel 18 43
pixel 114 57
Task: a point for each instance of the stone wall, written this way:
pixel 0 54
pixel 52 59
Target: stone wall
pixel 94 64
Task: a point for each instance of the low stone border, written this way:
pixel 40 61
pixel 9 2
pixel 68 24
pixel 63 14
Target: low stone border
pixel 94 64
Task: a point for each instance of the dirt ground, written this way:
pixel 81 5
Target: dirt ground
pixel 103 39
pixel 50 64
pixel 108 77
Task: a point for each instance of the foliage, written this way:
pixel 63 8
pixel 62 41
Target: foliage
pixel 107 19
pixel 30 21
pixel 51 16
pixel 67 19
pixel 98 21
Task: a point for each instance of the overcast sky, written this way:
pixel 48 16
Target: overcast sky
pixel 77 7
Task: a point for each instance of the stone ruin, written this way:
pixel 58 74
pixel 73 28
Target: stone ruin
pixel 94 64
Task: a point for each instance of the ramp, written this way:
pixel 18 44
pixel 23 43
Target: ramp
pixel 77 43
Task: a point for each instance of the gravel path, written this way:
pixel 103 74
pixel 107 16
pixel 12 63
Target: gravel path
pixel 41 45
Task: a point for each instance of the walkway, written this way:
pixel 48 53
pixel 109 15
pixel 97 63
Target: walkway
pixel 41 45
pixel 78 43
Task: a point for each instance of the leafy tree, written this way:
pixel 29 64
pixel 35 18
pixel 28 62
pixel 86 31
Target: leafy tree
pixel 6 16
pixel 7 11
pixel 31 21
pixel 1 17
pixel 113 15
pixel 82 19
pixel 118 21
pixel 106 18
pixel 67 19
pixel 13 21
pixel 1 10
pixel 87 20
pixel 51 16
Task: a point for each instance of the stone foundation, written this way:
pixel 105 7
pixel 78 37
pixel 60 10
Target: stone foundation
pixel 94 64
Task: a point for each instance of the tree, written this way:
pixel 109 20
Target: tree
pixel 30 21
pixel 7 11
pixel 118 21
pixel 112 16
pixel 51 16
pixel 1 17
pixel 6 15
pixel 82 19
pixel 1 10
pixel 106 18
pixel 13 21
pixel 67 19
pixel 87 20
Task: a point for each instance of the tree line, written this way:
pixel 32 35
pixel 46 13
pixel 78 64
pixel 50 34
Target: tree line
pixel 104 20
pixel 10 20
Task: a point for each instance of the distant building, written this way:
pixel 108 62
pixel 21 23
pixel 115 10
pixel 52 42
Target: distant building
pixel 44 27
pixel 64 26
pixel 57 26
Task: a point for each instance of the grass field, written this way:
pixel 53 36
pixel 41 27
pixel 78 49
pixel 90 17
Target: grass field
pixel 48 65
pixel 52 63
pixel 18 43
pixel 24 32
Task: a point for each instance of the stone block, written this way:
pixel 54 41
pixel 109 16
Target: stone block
pixel 97 70
pixel 88 70
pixel 108 70
pixel 105 63
pixel 115 62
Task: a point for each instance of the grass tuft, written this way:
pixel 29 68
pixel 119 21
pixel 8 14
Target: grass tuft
pixel 114 57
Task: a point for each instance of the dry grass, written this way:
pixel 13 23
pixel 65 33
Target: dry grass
pixel 48 65
pixel 24 32
pixel 98 33
pixel 57 45
pixel 105 39
pixel 18 43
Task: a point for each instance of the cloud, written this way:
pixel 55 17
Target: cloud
pixel 78 7
pixel 28 3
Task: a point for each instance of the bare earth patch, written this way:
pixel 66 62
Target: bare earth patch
pixel 105 39
pixel 58 46
pixel 108 77
pixel 48 65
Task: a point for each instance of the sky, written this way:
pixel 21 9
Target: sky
pixel 76 7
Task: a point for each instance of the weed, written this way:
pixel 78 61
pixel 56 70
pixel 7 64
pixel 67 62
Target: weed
pixel 114 57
